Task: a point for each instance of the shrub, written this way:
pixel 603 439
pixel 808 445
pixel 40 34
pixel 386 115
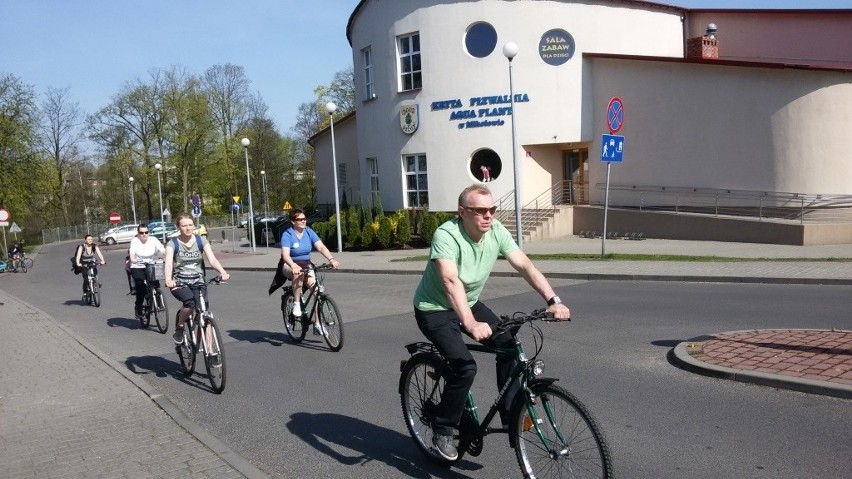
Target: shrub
pixel 385 234
pixel 353 225
pixel 428 227
pixel 377 206
pixel 368 235
pixel 403 227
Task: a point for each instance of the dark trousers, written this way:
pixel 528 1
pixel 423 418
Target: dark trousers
pixel 442 328
pixel 141 289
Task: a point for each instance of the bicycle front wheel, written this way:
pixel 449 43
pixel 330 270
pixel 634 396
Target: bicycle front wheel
pixel 186 349
pixel 96 294
pixel 420 388
pixel 331 323
pixel 161 311
pixel 214 357
pixel 558 437
pixel 295 326
pixel 22 265
pixel 28 263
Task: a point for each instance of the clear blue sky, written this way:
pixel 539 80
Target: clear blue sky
pixel 286 47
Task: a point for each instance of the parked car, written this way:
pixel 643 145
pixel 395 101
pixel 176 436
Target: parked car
pixel 199 230
pixel 160 228
pixel 120 234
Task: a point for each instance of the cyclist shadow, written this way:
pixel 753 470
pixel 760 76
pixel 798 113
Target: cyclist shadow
pixel 75 302
pixel 164 368
pixel 374 443
pixel 258 336
pixel 124 323
pixel 276 338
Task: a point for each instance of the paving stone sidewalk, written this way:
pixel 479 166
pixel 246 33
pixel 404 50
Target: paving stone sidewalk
pixel 815 361
pixel 64 412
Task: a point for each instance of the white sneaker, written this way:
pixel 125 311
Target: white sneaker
pixel 297 310
pixel 319 329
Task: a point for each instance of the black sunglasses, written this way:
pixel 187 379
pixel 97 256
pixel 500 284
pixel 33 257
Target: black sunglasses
pixel 143 232
pixel 482 211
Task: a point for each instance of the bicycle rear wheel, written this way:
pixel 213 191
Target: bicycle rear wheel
pixel 571 442
pixel 420 388
pixel 161 311
pixel 214 359
pixel 332 324
pixel 295 326
pixel 186 349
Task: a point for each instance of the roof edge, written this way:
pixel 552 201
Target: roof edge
pixel 731 63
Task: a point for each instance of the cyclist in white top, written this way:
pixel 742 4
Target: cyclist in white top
pixel 143 249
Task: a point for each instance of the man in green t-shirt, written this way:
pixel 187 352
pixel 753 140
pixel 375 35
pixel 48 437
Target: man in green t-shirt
pixel 446 303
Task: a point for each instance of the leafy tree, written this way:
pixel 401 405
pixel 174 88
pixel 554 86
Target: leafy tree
pixel 19 118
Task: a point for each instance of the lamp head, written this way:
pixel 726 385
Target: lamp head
pixel 158 166
pixel 245 142
pixel 131 179
pixel 330 107
pixel 262 172
pixel 510 50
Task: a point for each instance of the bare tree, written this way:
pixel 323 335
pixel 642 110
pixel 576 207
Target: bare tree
pixel 227 88
pixel 59 135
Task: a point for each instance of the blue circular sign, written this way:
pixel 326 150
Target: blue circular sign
pixel 615 114
pixel 556 47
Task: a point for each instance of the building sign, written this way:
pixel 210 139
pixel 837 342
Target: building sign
pixel 409 118
pixel 481 111
pixel 556 47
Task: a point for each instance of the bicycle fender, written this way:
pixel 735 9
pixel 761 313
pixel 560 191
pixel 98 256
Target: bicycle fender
pixel 536 386
pixel 426 357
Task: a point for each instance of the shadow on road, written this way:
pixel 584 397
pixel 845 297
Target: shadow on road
pixel 311 341
pixel 361 442
pixel 162 368
pixel 125 323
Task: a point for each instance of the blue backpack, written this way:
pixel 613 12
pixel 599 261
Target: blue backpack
pixel 200 245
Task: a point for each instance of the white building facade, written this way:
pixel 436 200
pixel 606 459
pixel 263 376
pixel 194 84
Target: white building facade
pixel 434 111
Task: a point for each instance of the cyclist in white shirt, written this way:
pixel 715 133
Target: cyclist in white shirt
pixel 144 248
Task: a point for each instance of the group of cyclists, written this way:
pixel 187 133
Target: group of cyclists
pixel 446 303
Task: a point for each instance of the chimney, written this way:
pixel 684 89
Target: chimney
pixel 705 47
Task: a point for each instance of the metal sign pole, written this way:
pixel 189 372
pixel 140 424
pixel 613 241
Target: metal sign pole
pixel 606 207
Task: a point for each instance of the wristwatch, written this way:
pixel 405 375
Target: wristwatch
pixel 554 300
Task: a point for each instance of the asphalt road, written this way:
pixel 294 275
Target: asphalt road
pixel 296 410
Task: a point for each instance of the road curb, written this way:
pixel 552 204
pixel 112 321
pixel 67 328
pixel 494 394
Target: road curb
pixel 222 450
pixel 604 276
pixel 682 358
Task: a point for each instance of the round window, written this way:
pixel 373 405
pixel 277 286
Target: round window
pixel 485 165
pixel 480 39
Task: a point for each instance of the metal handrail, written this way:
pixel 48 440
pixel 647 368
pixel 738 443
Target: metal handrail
pixel 799 207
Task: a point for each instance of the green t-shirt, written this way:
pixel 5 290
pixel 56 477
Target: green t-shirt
pixel 473 260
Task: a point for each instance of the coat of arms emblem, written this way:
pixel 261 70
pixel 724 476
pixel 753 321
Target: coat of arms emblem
pixel 409 118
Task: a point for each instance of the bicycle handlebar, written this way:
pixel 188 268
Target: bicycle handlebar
pixel 520 318
pixel 216 280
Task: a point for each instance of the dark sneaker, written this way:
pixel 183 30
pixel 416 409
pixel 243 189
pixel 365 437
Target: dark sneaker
pixel 444 447
pixel 178 336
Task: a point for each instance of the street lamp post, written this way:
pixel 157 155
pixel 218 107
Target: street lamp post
pixel 510 50
pixel 265 201
pixel 132 200
pixel 159 167
pixel 330 107
pixel 246 143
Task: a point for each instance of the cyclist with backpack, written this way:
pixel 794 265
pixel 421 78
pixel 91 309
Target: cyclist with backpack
pixel 184 268
pixel 85 254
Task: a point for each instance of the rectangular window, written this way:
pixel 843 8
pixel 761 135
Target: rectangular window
pixel 369 93
pixel 416 181
pixel 373 166
pixel 410 76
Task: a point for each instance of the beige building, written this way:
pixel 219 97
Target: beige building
pixel 761 107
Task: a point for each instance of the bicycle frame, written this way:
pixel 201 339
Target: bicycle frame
pixel 311 294
pixel 519 374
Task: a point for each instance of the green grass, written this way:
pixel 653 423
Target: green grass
pixel 652 257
